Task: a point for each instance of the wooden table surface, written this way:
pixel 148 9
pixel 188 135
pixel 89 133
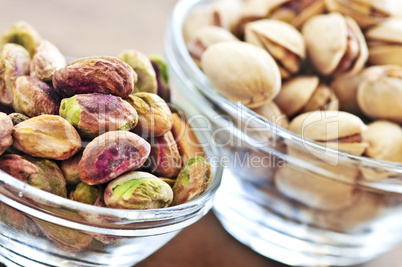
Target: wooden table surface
pixel 104 27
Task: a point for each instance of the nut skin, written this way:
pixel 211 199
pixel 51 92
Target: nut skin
pixel 378 96
pixel 40 173
pixel 284 43
pixel 112 154
pixel 6 126
pixel 88 194
pixel 69 167
pixel 192 180
pixel 106 75
pixel 142 65
pixel 17 118
pixel 164 159
pixel 229 65
pixel 33 97
pixel 94 114
pixel 14 62
pixel 162 76
pixel 46 61
pixel 47 136
pixel 23 34
pixel 17 221
pixel 154 115
pixel 138 190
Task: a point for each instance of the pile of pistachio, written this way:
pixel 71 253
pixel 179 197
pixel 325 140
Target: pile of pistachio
pixel 297 61
pixel 98 130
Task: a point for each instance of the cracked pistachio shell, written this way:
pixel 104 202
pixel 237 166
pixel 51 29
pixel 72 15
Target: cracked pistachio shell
pixel 69 167
pixel 23 34
pixel 14 62
pixel 385 141
pixel 47 136
pixel 138 190
pixel 33 97
pixel 85 193
pixel 242 72
pixel 6 126
pixel 112 154
pixel 43 174
pixel 105 75
pixel 142 65
pixel 273 113
pixel 385 42
pixel 162 76
pixel 192 180
pixel 46 61
pixel 17 118
pixel 379 94
pixel 316 191
pixel 336 129
pixel 154 115
pixel 94 114
pixel 164 159
pixel 284 42
pixel 364 12
pixel 335 44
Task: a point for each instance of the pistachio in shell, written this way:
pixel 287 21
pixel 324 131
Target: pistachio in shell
pixel 192 180
pixel 6 126
pixel 111 154
pixel 85 193
pixel 164 159
pixel 23 34
pixel 335 44
pixel 106 75
pixel 69 167
pixel 273 113
pixel 94 114
pixel 33 97
pixel 46 61
pixel 303 94
pixel 242 72
pixel 47 136
pixel 43 174
pixel 281 40
pixel 14 62
pixel 154 115
pixel 138 190
pixel 142 65
pixel 162 76
pixel 17 117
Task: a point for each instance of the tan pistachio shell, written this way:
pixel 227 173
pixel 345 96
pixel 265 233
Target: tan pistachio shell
pixel 273 113
pixel 242 72
pixel 389 30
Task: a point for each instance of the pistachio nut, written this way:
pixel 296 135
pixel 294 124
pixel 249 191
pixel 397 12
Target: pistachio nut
pixel 94 114
pixel 46 61
pixel 6 126
pixel 106 75
pixel 169 181
pixel 273 113
pixel 154 115
pixel 336 129
pixel 335 44
pixel 314 190
pixel 284 43
pixel 242 72
pixel 303 94
pixel 379 94
pixel 111 154
pixel 384 140
pixel 87 194
pixel 69 168
pixel 47 136
pixel 142 65
pixel 33 97
pixel 385 42
pixel 40 173
pixel 23 34
pixel 164 159
pixel 17 220
pixel 17 118
pixel 192 180
pixel 138 190
pixel 162 76
pixel 205 37
pixel 364 12
pixel 14 62
pixel 187 142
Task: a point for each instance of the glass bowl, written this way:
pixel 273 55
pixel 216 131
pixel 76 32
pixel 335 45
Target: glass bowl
pixel 42 229
pixel 287 198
